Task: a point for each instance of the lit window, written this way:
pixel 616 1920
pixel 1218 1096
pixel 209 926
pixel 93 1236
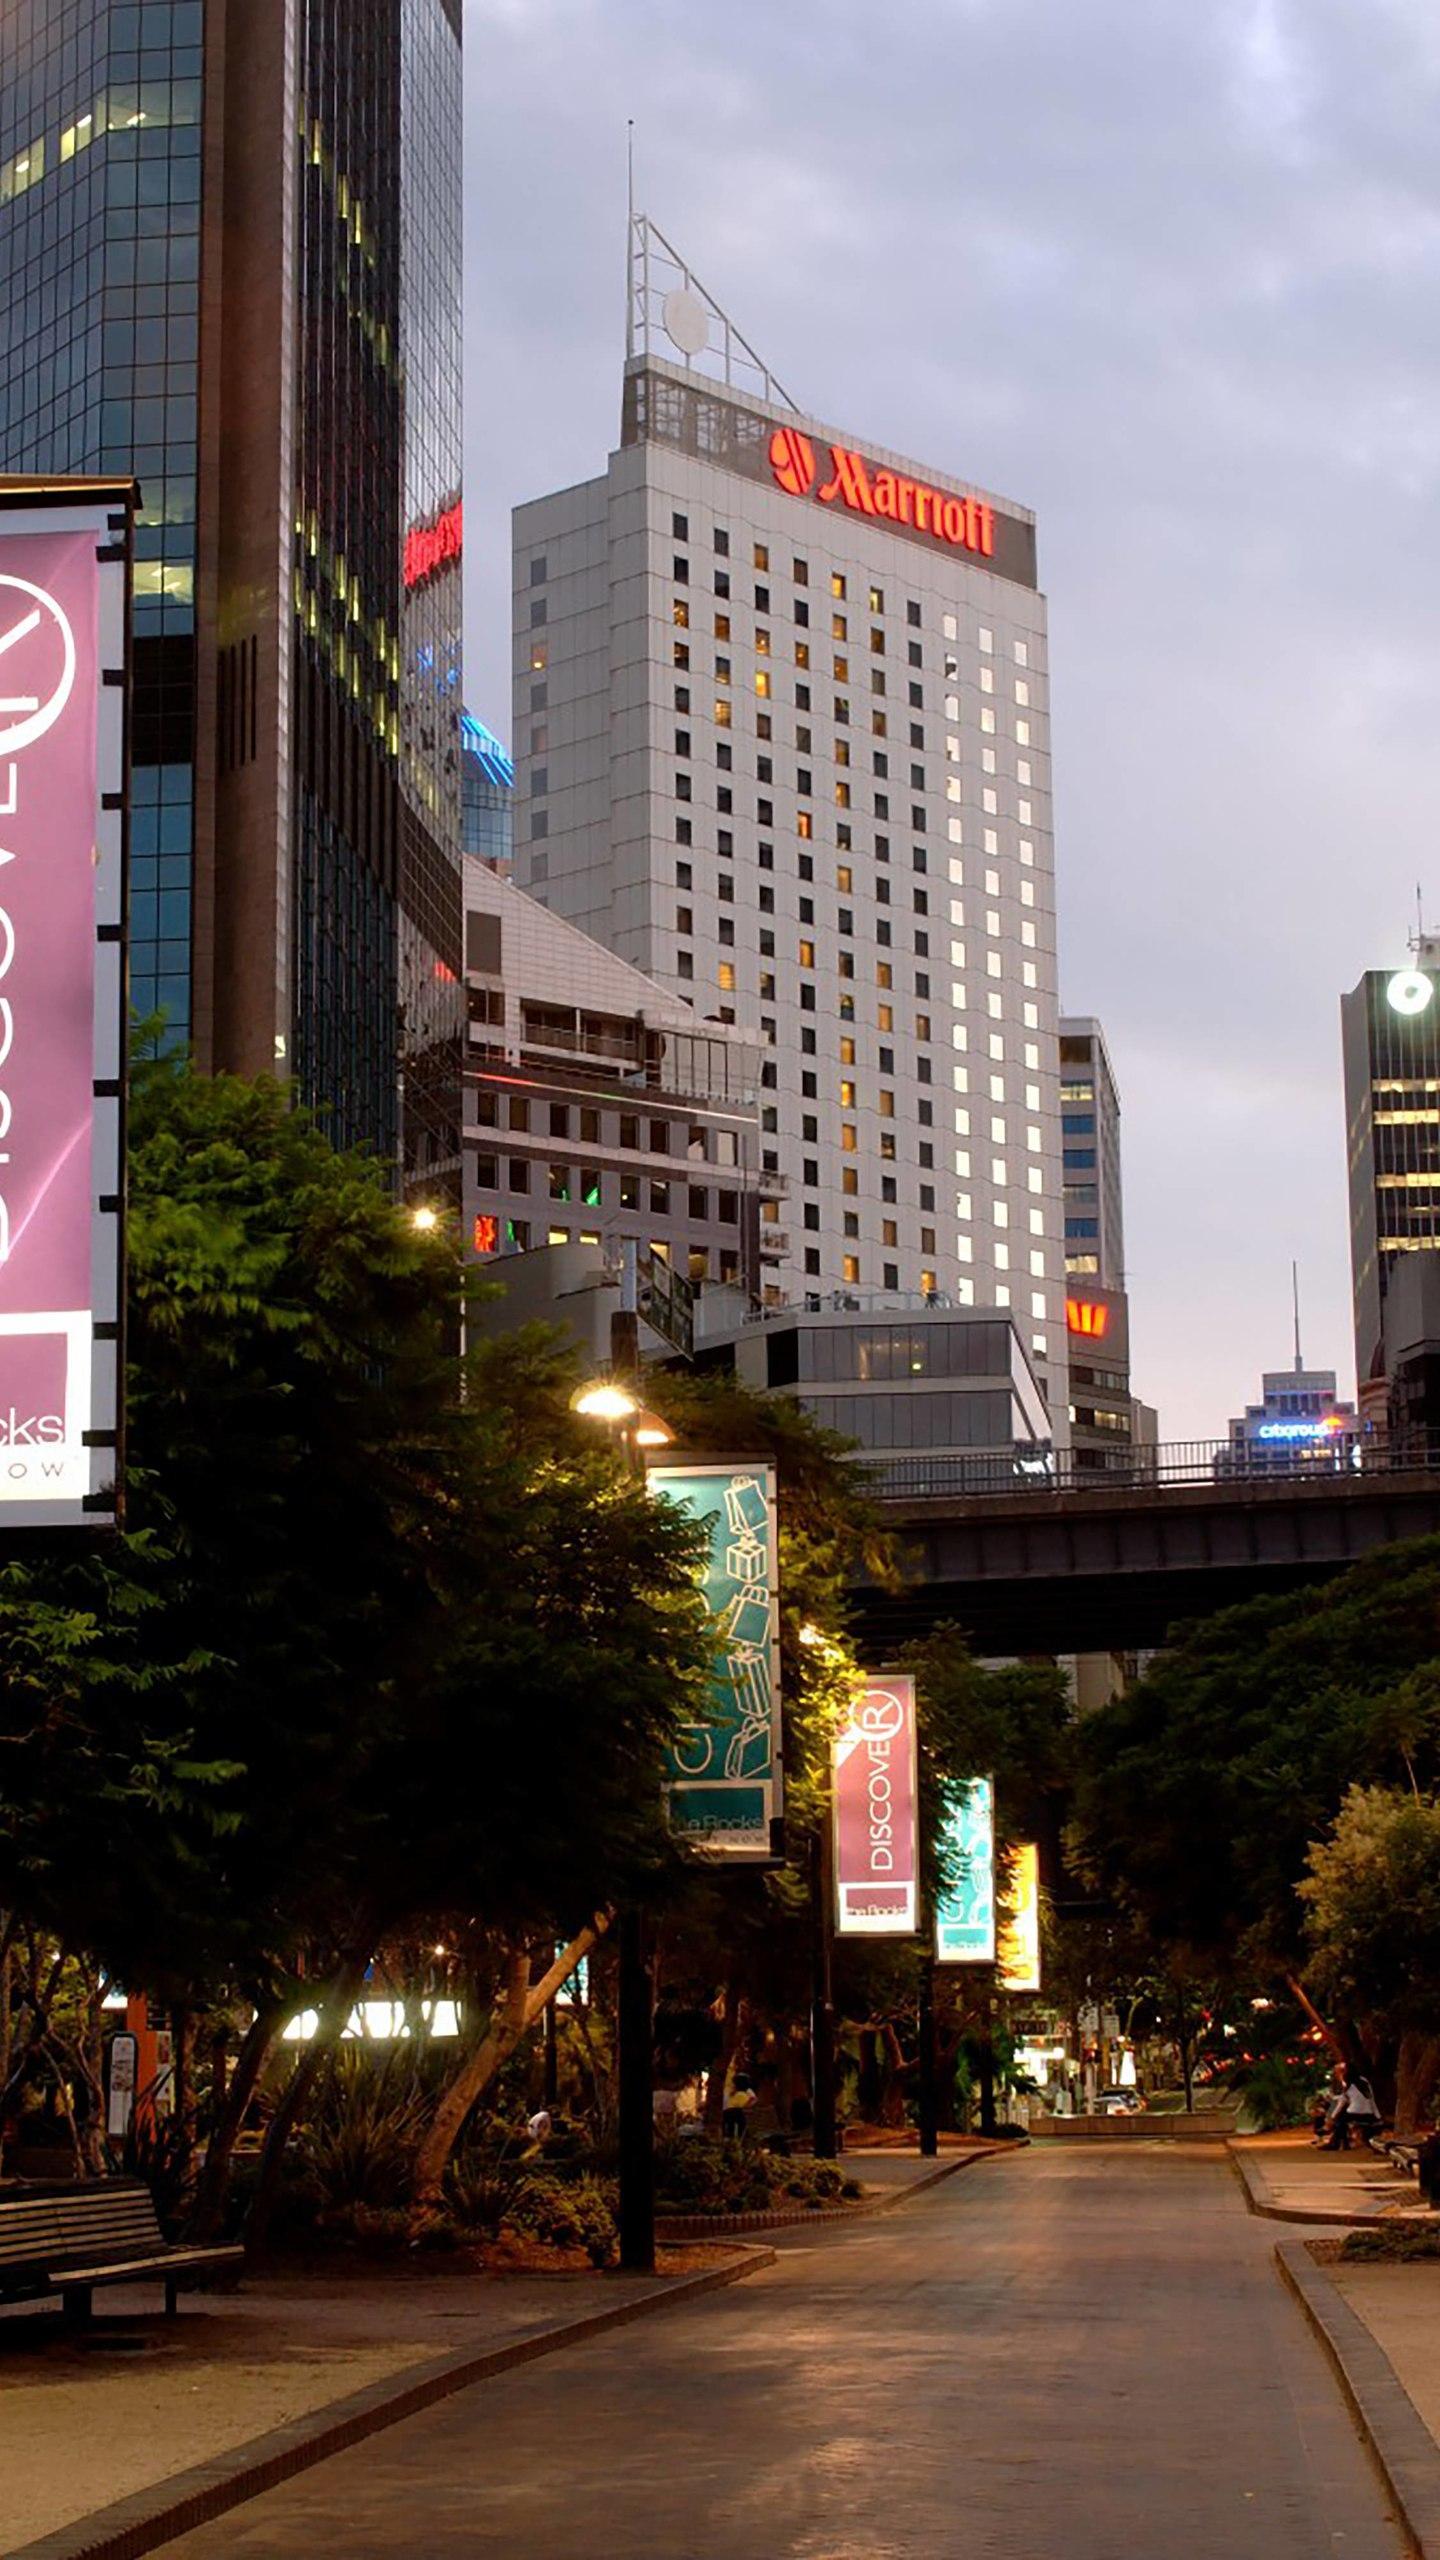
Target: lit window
pixel 762 643
pixel 722 715
pixel 539 656
pixel 847 1093
pixel 837 585
pixel 805 825
pixel 877 600
pixel 885 1017
pixel 850 1267
pixel 762 683
pixel 807 955
pixel 761 556
pixel 680 613
pixel 802 653
pixel 987 723
pixel 722 626
pixel 725 976
pixel 987 679
pixel 849 1139
pixel 986 641
pixel 1022 733
pixel 1022 695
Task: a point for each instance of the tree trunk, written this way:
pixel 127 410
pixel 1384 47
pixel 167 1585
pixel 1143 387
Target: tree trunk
pixel 523 2002
pixel 1301 1996
pixel 208 2210
pixel 335 2009
pixel 1416 2077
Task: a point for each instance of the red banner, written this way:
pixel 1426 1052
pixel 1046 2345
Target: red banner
pixel 877 1831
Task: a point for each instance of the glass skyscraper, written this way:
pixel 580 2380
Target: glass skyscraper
pixel 230 263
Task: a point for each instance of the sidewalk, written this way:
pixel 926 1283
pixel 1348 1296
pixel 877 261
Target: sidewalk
pixel 1287 2178
pixel 88 2420
pixel 1380 2324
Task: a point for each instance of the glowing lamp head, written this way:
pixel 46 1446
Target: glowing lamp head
pixel 605 1400
pixel 652 1433
pixel 424 1220
pixel 1409 991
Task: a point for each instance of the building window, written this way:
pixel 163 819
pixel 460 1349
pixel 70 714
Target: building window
pixel 850 1268
pixel 559 1182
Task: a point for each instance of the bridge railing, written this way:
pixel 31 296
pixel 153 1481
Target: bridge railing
pixel 998 1475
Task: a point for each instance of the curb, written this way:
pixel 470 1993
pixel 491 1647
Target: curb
pixel 1399 2443
pixel 703 2226
pixel 1257 2191
pixel 190 2498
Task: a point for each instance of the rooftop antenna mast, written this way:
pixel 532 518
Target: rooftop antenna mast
pixel 1295 1294
pixel 629 237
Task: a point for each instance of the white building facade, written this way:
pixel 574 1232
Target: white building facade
pixel 782 741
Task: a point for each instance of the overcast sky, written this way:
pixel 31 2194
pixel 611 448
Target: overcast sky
pixel 1167 271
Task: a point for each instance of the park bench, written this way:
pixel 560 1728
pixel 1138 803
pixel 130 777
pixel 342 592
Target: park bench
pixel 68 2240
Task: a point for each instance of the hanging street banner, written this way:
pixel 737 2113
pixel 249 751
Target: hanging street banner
pixel 1018 1954
pixel 723 1784
pixel 875 1795
pixel 965 1908
pixel 64 591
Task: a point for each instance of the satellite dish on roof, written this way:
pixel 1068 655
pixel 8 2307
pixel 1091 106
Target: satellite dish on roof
pixel 687 322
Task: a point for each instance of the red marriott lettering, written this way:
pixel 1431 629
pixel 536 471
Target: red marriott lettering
pixel 429 546
pixel 967 523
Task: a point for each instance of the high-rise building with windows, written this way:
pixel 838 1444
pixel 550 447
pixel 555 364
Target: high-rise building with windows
pixel 487 795
pixel 1390 1026
pixel 229 264
pixel 1090 1156
pixel 782 741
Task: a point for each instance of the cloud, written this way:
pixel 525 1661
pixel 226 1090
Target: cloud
pixel 1166 274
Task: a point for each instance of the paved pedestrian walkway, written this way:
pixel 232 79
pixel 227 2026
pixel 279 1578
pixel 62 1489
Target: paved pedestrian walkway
pixel 1288 2174
pixel 1067 2355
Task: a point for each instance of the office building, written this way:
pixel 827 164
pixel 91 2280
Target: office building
pixel 230 264
pixel 1390 1025
pixel 1110 1430
pixel 938 1398
pixel 1090 1156
pixel 598 1108
pixel 487 786
pixel 782 741
pixel 1300 1422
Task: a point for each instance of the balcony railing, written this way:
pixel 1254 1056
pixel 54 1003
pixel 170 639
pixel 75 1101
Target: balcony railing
pixel 999 1474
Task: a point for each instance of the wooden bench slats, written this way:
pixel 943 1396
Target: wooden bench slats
pixel 170 2262
pixel 68 2240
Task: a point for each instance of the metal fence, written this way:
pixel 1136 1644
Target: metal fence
pixel 992 1474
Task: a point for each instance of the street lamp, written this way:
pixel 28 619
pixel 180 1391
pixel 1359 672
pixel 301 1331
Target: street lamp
pixel 609 1400
pixel 823 2138
pixel 424 1220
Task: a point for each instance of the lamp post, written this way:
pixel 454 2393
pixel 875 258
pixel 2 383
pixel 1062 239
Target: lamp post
pixel 824 2140
pixel 613 1402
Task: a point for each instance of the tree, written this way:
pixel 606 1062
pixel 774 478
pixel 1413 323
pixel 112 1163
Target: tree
pixel 1199 1791
pixel 1371 1897
pixel 367 1649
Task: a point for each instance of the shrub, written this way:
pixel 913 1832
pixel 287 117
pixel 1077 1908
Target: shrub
pixel 576 2213
pixel 360 2141
pixel 735 2177
pixel 1393 2241
pixel 1275 2093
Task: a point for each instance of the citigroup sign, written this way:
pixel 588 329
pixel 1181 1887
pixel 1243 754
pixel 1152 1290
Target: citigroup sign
pixel 62 576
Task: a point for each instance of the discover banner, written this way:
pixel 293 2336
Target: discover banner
pixel 1018 1954
pixel 877 1832
pixel 64 576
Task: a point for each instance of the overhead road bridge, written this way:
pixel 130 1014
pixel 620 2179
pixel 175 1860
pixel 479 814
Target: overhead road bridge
pixel 1114 1562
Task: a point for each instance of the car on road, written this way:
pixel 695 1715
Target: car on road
pixel 1119 2102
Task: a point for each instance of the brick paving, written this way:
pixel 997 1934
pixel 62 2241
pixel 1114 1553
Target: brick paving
pixel 1069 2356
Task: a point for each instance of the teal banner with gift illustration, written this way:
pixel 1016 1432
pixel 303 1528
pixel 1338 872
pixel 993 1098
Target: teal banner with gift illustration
pixel 723 1781
pixel 965 1906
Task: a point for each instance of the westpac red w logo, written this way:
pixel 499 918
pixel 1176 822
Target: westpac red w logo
pixel 792 459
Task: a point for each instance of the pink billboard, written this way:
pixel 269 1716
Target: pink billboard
pixel 60 871
pixel 876 1812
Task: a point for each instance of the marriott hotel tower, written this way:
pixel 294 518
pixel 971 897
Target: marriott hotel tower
pixel 782 741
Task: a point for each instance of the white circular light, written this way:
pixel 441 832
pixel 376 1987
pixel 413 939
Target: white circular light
pixel 687 323
pixel 1409 991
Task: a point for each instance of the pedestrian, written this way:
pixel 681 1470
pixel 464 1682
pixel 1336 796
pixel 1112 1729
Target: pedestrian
pixel 737 2106
pixel 1362 2115
pixel 1336 2136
